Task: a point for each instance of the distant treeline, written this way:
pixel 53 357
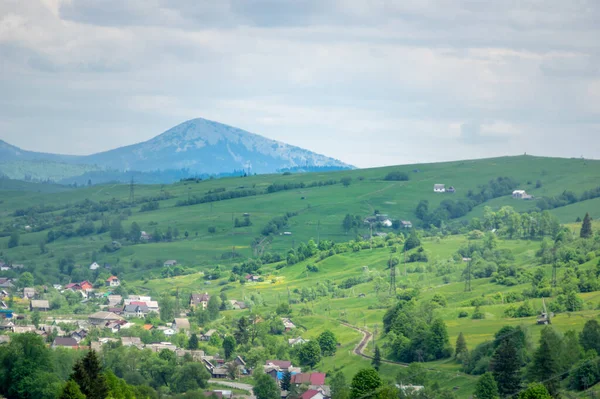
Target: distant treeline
pixel 305 169
pixel 566 198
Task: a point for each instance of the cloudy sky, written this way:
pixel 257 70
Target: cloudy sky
pixel 370 82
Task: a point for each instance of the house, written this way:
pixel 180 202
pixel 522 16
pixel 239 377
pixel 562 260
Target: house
pixel 28 292
pixel 317 379
pixel 237 305
pixel 168 331
pixel 288 324
pixel 406 224
pixel 409 389
pixel 312 394
pixel 137 298
pixel 114 300
pixel 94 266
pixel 170 263
pixel 65 342
pixel 7 324
pixel 451 190
pixel 145 236
pixel 158 346
pixel 136 309
pixel 41 305
pixel 521 194
pixel 83 286
pixel 206 336
pixel 24 329
pixel 113 281
pixel 439 188
pixel 196 355
pixel 79 335
pixel 181 324
pixel 131 341
pixel 279 365
pixel 152 306
pixel 116 310
pixel 4 267
pixel 16 266
pixel 6 282
pixel 250 277
pixel 387 223
pixel 197 300
pixel 297 341
pixel 210 394
pixel 115 326
pixel 224 393
pixel 57 287
pixel 101 318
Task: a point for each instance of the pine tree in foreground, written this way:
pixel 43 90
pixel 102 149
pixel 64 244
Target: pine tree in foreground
pixel 586 227
pixel 486 387
pixel 376 363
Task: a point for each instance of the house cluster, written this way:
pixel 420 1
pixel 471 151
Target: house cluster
pixel 522 195
pixel 441 188
pixel 133 306
pixel 315 382
pixel 379 218
pixel 4 267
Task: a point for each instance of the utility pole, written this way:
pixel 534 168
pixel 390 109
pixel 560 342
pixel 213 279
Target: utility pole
pixel 374 337
pixel 131 191
pixel 468 280
pixel 554 270
pixel 392 277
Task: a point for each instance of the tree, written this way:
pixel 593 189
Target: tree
pixel 546 362
pixel 339 387
pixel 213 307
pixel 116 229
pixel 193 342
pixel 438 341
pixel 505 366
pixel 13 241
pixel 346 181
pixel 26 280
pixel 228 346
pixel 190 376
pixel 265 387
pixel 376 362
pixel 365 384
pixel 461 347
pixel 590 336
pixel 167 308
pixel 36 318
pixel 486 387
pixel 286 381
pixel 242 335
pixel 87 373
pixel 310 354
pixel 586 227
pixel 43 249
pixel 71 391
pixel 328 343
pixel 135 232
pixel 535 390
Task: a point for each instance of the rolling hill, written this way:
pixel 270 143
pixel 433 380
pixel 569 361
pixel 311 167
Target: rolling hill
pixel 197 146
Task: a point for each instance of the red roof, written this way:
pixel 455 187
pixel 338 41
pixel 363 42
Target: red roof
pixel 85 285
pixel 309 378
pixel 148 327
pixel 111 278
pixel 309 394
pixel 138 303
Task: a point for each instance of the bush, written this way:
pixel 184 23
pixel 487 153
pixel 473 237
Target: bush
pixel 478 314
pixel 212 229
pixel 463 314
pixel 396 176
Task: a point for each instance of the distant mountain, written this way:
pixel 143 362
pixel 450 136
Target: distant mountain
pixel 198 146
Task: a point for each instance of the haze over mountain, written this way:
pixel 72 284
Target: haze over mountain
pixel 198 146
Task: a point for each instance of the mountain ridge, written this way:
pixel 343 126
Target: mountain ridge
pixel 199 145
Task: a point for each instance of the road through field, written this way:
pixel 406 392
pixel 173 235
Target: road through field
pixel 360 347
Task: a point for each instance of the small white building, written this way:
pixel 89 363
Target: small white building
pixel 94 266
pixel 439 188
pixel 387 223
pixel 521 194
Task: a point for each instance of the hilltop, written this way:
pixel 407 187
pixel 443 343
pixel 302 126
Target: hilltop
pixel 197 147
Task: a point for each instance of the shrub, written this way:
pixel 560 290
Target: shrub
pixel 463 314
pixel 478 314
pixel 396 176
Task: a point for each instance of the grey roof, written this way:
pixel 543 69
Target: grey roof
pixel 40 304
pixel 64 341
pixel 136 308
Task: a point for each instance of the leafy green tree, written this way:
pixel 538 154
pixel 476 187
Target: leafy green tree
pixel 193 342
pixel 586 227
pixel 116 229
pixel 36 318
pixel 286 381
pixel 346 181
pixel 14 239
pixel 461 350
pixel 228 346
pixel 190 376
pixel 438 341
pixel 590 336
pixel 546 362
pixel 167 308
pixel 365 384
pixel 26 280
pixel 535 390
pixel 376 362
pixel 87 373
pixel 213 307
pixel 505 366
pixel 328 343
pixel 265 387
pixel 71 391
pixel 413 241
pixel 486 387
pixel 584 374
pixel 310 354
pixel 242 335
pixel 135 232
pixel 339 386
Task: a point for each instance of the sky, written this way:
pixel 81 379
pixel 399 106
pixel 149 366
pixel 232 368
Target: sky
pixel 370 82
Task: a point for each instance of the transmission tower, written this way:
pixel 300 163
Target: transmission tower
pixel 392 277
pixel 131 191
pixel 468 280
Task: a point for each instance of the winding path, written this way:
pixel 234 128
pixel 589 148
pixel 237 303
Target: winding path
pixel 360 347
pixel 236 385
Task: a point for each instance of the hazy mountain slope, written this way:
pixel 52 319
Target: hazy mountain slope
pixel 199 145
pixel 205 146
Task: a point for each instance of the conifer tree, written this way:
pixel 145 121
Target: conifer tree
pixel 376 363
pixel 546 362
pixel 461 347
pixel 71 391
pixel 286 381
pixel 87 373
pixel 506 366
pixel 586 227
